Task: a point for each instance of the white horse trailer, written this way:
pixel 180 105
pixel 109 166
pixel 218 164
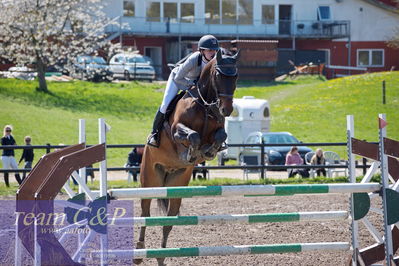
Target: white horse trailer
pixel 249 115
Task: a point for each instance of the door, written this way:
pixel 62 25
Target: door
pixel 285 16
pixel 117 65
pixel 155 53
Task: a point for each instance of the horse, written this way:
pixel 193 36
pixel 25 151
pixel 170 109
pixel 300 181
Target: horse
pixel 193 132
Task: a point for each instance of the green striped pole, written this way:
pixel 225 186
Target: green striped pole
pixel 228 250
pixel 230 218
pixel 246 190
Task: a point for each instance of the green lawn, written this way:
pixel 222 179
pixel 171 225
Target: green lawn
pixel 311 108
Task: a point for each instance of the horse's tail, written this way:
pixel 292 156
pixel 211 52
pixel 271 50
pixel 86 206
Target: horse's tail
pixel 163 204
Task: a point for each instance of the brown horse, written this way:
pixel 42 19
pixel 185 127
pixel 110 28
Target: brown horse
pixel 193 133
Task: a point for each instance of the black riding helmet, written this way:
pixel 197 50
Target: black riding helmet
pixel 208 42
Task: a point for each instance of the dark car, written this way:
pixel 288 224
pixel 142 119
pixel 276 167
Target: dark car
pixel 275 154
pixel 93 68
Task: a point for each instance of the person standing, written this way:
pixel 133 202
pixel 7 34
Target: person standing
pixel 7 156
pixel 27 155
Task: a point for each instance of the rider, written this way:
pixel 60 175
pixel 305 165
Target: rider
pixel 183 77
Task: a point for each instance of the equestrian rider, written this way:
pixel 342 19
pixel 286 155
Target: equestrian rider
pixel 183 77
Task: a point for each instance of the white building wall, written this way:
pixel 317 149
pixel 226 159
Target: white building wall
pixel 368 22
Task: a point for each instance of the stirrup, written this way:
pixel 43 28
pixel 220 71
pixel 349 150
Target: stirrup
pixel 153 140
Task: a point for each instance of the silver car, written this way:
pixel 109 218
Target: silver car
pixel 131 66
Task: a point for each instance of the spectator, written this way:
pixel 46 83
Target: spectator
pixel 90 172
pixel 27 155
pixel 134 159
pixel 7 156
pixel 204 171
pixel 318 159
pixel 293 158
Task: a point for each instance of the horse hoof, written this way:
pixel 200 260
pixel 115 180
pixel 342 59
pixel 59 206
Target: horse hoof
pixel 139 245
pixel 137 261
pixel 161 261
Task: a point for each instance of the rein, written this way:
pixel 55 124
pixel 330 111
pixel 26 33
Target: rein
pixel 211 108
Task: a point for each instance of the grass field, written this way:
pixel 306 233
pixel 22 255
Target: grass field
pixel 311 108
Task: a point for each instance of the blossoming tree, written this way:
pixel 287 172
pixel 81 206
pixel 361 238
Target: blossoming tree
pixel 47 32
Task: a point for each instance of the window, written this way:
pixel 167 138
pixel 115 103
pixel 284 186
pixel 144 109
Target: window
pixel 187 13
pixel 229 11
pixel 268 14
pixel 154 11
pixel 128 8
pixel 323 13
pixel 170 12
pixel 245 11
pixel 370 58
pixel 212 10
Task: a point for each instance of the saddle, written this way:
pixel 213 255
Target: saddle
pixel 172 105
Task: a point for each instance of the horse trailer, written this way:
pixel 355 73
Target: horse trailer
pixel 249 115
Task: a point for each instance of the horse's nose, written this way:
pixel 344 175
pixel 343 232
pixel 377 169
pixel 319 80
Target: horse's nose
pixel 226 111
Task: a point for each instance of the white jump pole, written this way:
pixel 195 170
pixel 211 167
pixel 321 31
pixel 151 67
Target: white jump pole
pixel 350 129
pixel 385 185
pixel 37 260
pixel 82 139
pixel 18 245
pixel 82 174
pixel 103 187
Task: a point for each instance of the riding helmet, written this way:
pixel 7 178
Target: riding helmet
pixel 208 42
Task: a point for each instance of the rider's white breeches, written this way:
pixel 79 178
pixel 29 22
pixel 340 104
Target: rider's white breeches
pixel 170 92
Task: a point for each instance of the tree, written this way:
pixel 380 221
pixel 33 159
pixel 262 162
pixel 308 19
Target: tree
pixel 394 41
pixel 47 32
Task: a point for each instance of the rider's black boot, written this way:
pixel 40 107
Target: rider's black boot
pixel 6 180
pixel 155 137
pixel 18 178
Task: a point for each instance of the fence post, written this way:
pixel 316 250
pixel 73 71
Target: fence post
pixel 48 148
pixel 262 160
pixel 364 166
pixel 383 92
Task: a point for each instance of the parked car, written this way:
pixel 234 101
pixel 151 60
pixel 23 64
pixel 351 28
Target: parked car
pixel 93 68
pixel 275 154
pixel 132 66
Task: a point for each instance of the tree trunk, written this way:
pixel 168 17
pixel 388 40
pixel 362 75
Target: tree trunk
pixel 41 75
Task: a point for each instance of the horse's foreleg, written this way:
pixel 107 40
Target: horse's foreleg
pixel 145 212
pixel 186 135
pixel 210 151
pixel 174 206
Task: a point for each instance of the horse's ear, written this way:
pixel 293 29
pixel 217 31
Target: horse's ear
pixel 219 56
pixel 237 55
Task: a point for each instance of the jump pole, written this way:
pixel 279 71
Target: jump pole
pixel 229 250
pixel 103 187
pixel 385 183
pixel 230 218
pixel 350 129
pixel 243 190
pixel 82 174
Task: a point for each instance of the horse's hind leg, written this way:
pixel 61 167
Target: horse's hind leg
pixel 145 212
pixel 174 206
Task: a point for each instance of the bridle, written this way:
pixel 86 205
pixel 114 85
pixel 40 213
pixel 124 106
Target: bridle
pixel 212 109
pixel 216 102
